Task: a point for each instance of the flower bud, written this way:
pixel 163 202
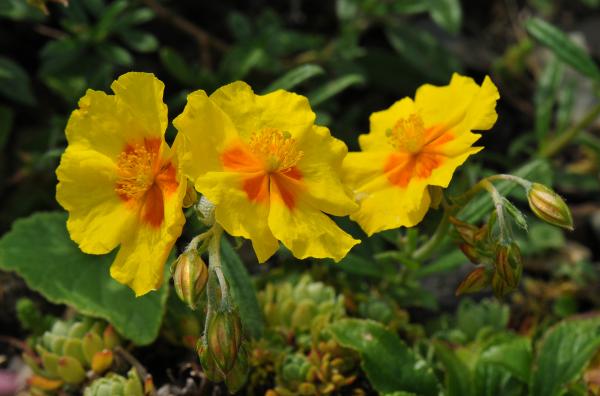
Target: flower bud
pixel 212 372
pixel 499 286
pixel 237 376
pixel 549 206
pixel 475 281
pixel 466 231
pixel 224 337
pixel 190 275
pixel 470 252
pixel 509 264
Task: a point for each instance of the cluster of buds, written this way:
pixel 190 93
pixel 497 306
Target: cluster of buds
pixel 498 257
pixel 499 263
pixel 67 352
pixel 222 352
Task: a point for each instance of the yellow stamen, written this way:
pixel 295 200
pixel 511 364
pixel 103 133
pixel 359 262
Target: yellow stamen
pixel 408 134
pixel 135 172
pixel 277 149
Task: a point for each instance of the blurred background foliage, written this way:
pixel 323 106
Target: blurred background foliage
pixel 351 58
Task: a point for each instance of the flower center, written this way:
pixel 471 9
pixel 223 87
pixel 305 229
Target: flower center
pixel 277 149
pixel 408 134
pixel 135 170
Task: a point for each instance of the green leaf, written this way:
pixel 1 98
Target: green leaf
pixel 14 82
pixel 545 97
pixel 459 380
pixel 565 49
pixel 40 250
pixel 447 14
pixel 139 40
pixel 295 77
pixel 115 54
pixel 358 265
pixel 389 364
pixel 242 291
pixel 109 19
pixel 333 88
pixel 564 353
pixel 515 213
pixel 513 355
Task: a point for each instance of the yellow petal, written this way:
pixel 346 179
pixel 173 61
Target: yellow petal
pixel 320 166
pixel 144 249
pixel 86 189
pixel 236 213
pixel 141 94
pixel 383 206
pixel 381 122
pixel 204 131
pixel 250 113
pixel 462 105
pixel 107 123
pixel 307 232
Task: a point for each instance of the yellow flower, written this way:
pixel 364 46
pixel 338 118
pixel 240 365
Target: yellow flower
pixel 415 144
pixel 267 168
pixel 120 182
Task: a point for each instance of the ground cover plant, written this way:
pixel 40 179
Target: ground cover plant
pixel 352 197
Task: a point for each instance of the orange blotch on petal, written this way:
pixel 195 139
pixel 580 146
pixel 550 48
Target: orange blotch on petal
pixel 144 179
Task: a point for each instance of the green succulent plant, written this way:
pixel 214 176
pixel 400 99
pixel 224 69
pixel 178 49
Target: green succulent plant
pixel 68 351
pixel 116 385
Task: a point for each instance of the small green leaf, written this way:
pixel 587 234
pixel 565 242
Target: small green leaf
pixel 14 82
pixel 40 250
pixel 565 49
pixel 116 54
pixel 109 19
pixel 459 380
pixel 333 88
pixel 242 290
pixel 139 41
pixel 389 364
pixel 564 353
pixel 513 355
pixel 295 77
pixel 515 213
pixel 446 13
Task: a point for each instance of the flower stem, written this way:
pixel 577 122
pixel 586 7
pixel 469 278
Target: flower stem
pixel 499 205
pixel 438 236
pixel 214 261
pixel 559 142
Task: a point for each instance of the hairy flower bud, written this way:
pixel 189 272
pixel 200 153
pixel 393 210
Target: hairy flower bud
pixel 224 337
pixel 237 376
pixel 466 231
pixel 206 211
pixel 549 206
pixel 190 275
pixel 509 264
pixel 211 370
pixel 475 281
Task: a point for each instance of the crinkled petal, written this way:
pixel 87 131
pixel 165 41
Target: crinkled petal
pixel 204 131
pixel 383 205
pixel 97 217
pixel 462 105
pixel 144 249
pixel 236 213
pixel 251 113
pixel 141 94
pixel 381 122
pixel 321 173
pixel 107 123
pixel 306 231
